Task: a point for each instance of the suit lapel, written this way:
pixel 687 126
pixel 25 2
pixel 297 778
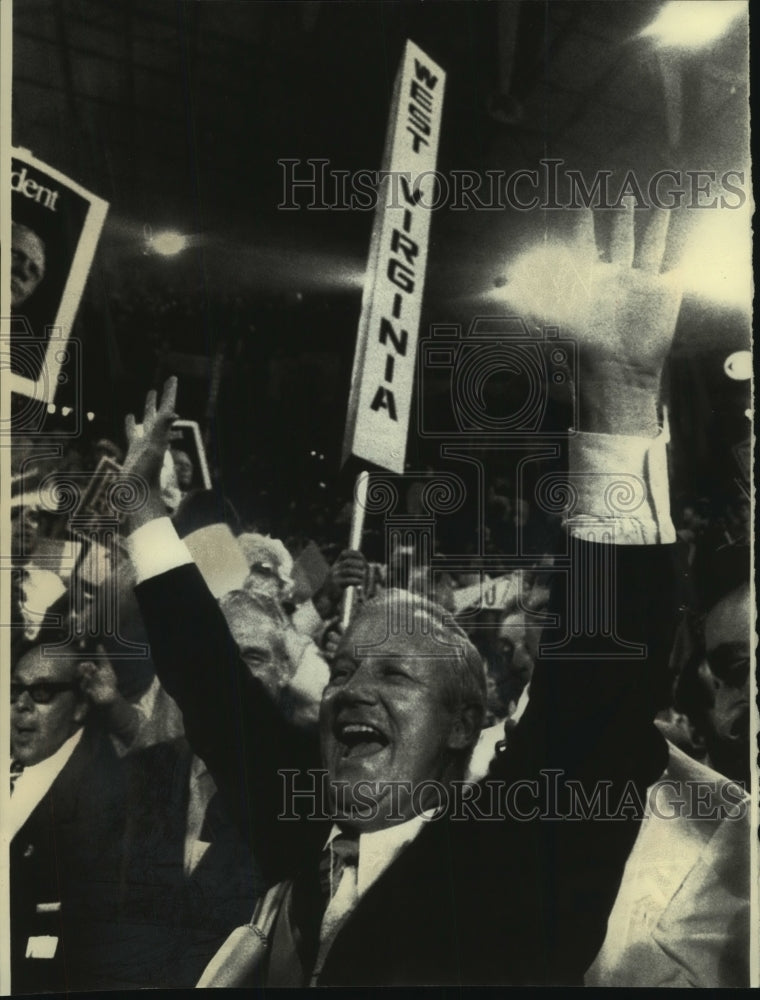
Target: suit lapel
pixel 59 803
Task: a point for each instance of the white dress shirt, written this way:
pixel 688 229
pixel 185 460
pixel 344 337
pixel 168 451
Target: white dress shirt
pixel 377 850
pixel 620 488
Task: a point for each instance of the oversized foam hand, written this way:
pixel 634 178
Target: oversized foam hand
pixel 617 307
pixel 620 312
pixel 626 315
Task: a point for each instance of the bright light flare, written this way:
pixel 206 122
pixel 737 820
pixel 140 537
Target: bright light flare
pixel 716 264
pixel 549 284
pixel 168 244
pixel 692 24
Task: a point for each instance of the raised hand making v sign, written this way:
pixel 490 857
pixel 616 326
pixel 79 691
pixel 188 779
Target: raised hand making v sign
pixel 145 455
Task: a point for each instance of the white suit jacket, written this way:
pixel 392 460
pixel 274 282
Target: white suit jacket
pixel 681 917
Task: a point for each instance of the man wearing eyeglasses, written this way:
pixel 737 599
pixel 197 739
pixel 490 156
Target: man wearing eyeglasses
pixel 105 891
pixel 66 822
pixel 47 713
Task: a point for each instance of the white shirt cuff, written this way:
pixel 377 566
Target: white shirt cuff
pixel 619 489
pixel 155 548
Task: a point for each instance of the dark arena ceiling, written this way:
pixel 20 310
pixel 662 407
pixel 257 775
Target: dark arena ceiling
pixel 178 113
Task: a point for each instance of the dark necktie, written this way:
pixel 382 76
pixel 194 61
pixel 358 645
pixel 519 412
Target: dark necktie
pixel 15 773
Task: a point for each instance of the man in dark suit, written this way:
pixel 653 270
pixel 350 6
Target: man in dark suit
pixel 66 823
pixel 102 895
pixel 383 887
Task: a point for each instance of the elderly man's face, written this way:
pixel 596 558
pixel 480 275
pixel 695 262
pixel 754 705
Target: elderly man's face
pixel 40 727
pixel 387 715
pixel 27 263
pixel 259 639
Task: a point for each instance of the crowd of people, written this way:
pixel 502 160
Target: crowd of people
pixel 166 676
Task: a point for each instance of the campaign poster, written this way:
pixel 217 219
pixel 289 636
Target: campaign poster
pixel 55 226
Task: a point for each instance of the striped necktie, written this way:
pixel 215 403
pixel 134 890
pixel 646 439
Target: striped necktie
pixel 337 879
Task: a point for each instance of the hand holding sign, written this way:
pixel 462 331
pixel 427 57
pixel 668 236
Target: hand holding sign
pixel 348 570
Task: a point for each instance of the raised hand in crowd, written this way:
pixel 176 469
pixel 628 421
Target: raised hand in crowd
pixel 145 454
pixel 626 326
pixel 98 681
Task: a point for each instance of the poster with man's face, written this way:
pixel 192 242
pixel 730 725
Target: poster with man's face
pixel 55 226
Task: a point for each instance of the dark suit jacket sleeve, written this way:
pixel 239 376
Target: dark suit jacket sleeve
pixel 230 721
pixel 600 670
pixel 590 717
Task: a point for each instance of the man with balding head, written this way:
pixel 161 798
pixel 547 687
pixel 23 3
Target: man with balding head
pixel 289 665
pixel 404 706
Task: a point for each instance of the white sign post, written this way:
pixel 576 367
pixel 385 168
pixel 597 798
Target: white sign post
pixel 382 379
pixel 386 345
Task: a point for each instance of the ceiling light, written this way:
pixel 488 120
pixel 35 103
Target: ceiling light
pixel 168 244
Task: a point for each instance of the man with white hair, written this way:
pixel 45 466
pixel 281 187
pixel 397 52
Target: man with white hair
pixel 289 666
pixel 270 565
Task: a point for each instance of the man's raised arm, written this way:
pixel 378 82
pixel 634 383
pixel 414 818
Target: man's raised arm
pixel 595 684
pixel 229 719
pixel 586 740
